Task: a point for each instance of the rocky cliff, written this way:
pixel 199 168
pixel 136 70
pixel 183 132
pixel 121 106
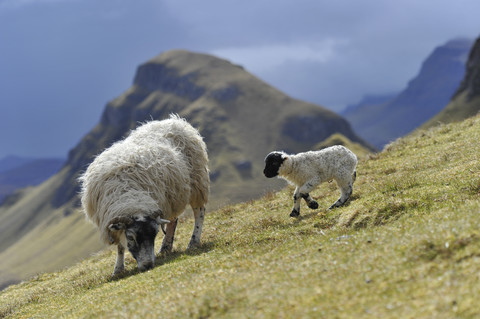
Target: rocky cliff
pixel 466 100
pixel 425 95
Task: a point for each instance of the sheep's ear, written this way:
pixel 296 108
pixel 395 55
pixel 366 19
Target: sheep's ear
pixel 119 223
pixel 117 226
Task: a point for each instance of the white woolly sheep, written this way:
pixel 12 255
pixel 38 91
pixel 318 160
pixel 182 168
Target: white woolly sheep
pixel 144 181
pixel 308 170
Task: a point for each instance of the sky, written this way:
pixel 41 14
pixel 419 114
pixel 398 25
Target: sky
pixel 61 61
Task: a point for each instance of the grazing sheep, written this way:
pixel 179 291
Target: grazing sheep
pixel 308 170
pixel 143 182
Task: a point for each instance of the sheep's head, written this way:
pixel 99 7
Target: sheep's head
pixel 140 232
pixel 273 161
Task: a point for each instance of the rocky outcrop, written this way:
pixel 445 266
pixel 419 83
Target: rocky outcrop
pixel 425 95
pixel 466 100
pixel 471 82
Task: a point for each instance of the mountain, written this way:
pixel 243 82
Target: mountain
pixel 18 172
pixel 425 96
pixel 466 100
pixel 12 161
pixel 241 118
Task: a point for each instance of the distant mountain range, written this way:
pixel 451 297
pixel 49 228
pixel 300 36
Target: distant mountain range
pixel 466 100
pixel 382 119
pixel 241 118
pixel 18 172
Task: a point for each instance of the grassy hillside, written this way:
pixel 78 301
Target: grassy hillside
pixel 407 245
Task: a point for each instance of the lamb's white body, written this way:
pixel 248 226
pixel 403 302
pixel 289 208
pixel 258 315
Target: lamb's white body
pixel 309 169
pixel 156 171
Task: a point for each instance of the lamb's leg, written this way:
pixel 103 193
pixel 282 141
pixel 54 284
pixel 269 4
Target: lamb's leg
pixel 303 192
pixel 167 243
pixel 199 214
pixel 119 264
pixel 346 188
pixel 296 203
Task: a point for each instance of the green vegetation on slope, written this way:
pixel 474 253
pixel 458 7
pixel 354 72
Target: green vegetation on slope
pixel 407 245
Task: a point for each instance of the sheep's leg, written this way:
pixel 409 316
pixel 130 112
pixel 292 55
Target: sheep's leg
pixel 120 263
pixel 312 204
pixel 303 192
pixel 167 243
pixel 296 203
pixel 346 189
pixel 199 214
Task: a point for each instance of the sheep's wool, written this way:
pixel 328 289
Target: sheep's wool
pixel 336 162
pixel 161 166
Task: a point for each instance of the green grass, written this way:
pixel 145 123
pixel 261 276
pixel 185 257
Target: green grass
pixel 407 245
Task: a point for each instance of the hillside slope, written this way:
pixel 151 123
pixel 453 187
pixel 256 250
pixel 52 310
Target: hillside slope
pixel 425 95
pixel 16 173
pixel 241 118
pixel 466 101
pixel 407 245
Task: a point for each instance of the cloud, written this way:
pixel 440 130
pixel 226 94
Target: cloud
pixel 15 4
pixel 264 57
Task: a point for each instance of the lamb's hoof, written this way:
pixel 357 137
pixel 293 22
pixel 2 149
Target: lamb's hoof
pixel 333 206
pixel 294 213
pixel 313 205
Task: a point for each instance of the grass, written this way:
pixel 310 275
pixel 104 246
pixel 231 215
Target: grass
pixel 407 245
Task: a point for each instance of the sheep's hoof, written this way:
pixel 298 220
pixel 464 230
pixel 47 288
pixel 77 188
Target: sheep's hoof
pixel 294 213
pixel 164 251
pixel 313 205
pixel 117 273
pixel 193 245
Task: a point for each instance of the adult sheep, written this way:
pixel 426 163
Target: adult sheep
pixel 308 170
pixel 143 182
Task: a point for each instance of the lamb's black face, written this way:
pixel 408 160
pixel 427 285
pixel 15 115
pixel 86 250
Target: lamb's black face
pixel 273 161
pixel 140 241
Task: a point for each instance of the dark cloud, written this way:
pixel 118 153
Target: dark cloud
pixel 62 60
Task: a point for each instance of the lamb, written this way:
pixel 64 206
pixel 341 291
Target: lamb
pixel 308 170
pixel 146 181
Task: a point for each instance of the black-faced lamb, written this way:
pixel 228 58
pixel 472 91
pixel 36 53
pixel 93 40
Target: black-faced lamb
pixel 144 181
pixel 308 170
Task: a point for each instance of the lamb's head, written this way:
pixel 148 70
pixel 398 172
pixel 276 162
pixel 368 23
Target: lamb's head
pixel 139 232
pixel 273 162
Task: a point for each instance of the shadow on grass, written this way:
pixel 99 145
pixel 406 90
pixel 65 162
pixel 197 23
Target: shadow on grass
pixel 162 259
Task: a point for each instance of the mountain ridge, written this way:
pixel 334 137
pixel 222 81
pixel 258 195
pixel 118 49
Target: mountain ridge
pixel 425 95
pixel 466 100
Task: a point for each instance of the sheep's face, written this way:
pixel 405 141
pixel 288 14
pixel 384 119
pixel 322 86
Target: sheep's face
pixel 273 162
pixel 140 233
